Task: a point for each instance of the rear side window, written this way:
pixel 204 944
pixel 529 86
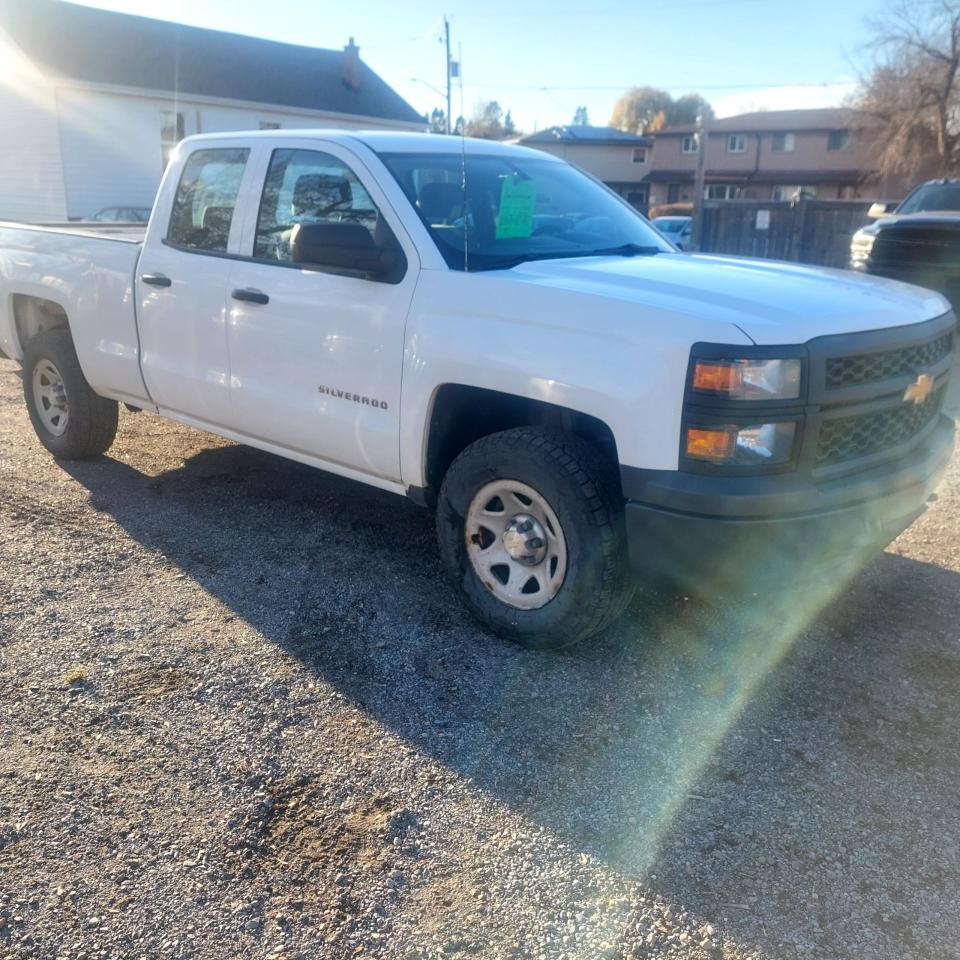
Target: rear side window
pixel 206 198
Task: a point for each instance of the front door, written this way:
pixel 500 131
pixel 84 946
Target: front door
pixel 182 290
pixel 317 351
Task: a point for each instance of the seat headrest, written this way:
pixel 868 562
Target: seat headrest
pixel 316 193
pixel 441 201
pixel 216 220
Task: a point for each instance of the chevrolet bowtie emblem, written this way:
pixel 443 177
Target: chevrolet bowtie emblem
pixel 919 390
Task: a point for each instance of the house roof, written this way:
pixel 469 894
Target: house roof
pixel 98 46
pixel 779 121
pixel 575 133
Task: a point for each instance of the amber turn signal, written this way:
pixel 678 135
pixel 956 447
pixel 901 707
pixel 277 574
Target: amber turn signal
pixel 716 445
pixel 717 377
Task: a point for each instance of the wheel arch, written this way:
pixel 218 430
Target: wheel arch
pixel 31 314
pixel 460 415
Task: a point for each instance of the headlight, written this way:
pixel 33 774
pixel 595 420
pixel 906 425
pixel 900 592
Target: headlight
pixel 741 446
pixel 861 245
pixel 748 379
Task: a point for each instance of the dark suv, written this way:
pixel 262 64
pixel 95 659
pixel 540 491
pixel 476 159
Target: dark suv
pixel 919 242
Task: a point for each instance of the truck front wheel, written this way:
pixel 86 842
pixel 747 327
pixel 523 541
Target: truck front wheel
pixel 72 421
pixel 530 524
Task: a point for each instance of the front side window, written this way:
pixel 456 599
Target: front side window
pixel 736 143
pixel 310 187
pixel 494 211
pixel 783 143
pixel 206 198
pixel 688 144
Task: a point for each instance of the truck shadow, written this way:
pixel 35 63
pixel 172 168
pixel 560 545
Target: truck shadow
pixel 737 757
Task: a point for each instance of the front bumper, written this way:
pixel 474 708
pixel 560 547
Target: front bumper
pixel 721 532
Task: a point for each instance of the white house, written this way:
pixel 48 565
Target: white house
pixel 92 102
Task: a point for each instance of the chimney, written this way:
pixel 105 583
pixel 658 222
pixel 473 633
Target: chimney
pixel 351 65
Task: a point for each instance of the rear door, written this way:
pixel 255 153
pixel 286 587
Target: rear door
pixel 317 352
pixel 182 286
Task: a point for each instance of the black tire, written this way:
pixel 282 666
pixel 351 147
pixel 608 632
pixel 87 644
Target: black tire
pixel 92 421
pixel 581 487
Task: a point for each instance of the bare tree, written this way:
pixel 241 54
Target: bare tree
pixel 641 110
pixel 913 87
pixel 647 110
pixel 489 122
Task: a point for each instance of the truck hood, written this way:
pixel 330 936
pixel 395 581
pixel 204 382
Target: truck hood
pixel 945 219
pixel 770 301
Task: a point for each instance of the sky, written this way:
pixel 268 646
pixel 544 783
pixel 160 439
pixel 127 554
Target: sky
pixel 543 59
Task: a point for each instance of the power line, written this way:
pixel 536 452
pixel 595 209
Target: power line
pixel 645 10
pixel 546 88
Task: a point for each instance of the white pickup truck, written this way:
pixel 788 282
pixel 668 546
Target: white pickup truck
pixel 493 333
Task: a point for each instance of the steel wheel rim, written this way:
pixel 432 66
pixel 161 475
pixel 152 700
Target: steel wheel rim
pixel 50 398
pixel 504 521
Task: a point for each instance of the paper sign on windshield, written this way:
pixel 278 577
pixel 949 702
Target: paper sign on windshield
pixel 518 198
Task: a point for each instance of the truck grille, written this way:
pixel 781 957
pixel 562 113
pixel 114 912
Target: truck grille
pixel 915 244
pixel 867 367
pixel 847 438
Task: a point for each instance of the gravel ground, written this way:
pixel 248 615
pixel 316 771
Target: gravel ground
pixel 241 715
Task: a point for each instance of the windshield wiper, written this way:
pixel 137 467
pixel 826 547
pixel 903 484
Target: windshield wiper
pixel 506 263
pixel 626 250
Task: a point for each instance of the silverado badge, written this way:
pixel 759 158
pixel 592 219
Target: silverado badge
pixel 919 390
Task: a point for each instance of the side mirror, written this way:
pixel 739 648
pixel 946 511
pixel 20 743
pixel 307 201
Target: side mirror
pixel 343 246
pixel 881 208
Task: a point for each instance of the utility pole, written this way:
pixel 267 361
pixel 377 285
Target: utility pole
pixel 696 234
pixel 446 33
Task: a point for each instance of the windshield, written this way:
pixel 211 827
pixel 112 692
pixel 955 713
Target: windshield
pixel 516 209
pixel 932 196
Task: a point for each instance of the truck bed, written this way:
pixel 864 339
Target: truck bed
pixel 86 272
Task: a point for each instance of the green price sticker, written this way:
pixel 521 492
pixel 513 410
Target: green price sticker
pixel 518 199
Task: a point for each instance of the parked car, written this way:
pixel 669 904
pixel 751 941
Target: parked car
pixel 918 242
pixel 491 333
pixel 122 215
pixel 676 229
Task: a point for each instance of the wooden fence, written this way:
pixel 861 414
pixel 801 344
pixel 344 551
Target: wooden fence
pixel 808 231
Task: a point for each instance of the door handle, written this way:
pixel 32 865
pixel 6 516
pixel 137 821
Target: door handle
pixel 250 296
pixel 156 279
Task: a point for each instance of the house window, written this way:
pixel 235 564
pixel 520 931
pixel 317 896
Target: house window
pixel 792 191
pixel 269 125
pixel 172 131
pixel 838 139
pixel 673 192
pixel 639 154
pixel 721 191
pixel 737 143
pixel 783 143
pixel 688 144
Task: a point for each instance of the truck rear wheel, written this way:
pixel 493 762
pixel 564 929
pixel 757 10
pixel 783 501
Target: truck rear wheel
pixel 530 524
pixel 72 421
